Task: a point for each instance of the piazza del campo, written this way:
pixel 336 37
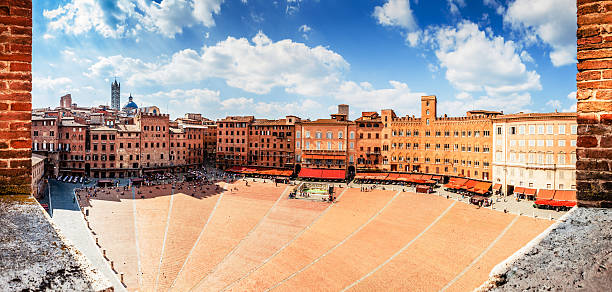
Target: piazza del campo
pixel 384 190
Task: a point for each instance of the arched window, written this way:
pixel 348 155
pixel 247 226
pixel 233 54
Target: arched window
pixel 561 158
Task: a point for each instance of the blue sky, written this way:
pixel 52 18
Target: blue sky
pixel 303 57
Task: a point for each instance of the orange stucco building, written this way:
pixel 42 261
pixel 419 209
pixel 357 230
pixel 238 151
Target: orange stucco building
pixel 368 141
pixel 271 142
pixel 155 138
pixel 246 141
pixel 327 143
pixel 451 146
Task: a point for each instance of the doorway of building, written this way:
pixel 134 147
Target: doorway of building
pixel 351 172
pixel 297 169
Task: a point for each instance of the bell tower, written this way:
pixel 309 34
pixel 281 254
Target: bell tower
pixel 115 95
pixel 429 108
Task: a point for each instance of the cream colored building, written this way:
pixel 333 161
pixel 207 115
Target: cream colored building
pixel 38 171
pixel 536 151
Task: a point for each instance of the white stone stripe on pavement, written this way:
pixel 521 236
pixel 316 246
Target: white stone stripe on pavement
pixel 197 286
pixel 401 250
pixel 339 244
pixel 286 244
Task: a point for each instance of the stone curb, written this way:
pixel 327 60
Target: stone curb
pixel 498 272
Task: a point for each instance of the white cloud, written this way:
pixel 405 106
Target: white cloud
pixel 304 28
pixel 571 96
pixel 249 106
pixel 552 21
pixel 126 18
pixel 119 66
pixel 293 6
pixel 72 56
pixel 488 71
pixel 499 8
pixel 526 57
pixel 257 18
pixel 396 13
pixel 555 104
pixel 463 95
pixel 212 105
pixel 50 84
pixel 47 90
pixel 453 6
pixel 255 66
pixel 475 61
pixel 365 97
pixel 413 38
pixel 361 97
pixel 48 36
pixel 572 108
pixel 312 76
pixel 514 102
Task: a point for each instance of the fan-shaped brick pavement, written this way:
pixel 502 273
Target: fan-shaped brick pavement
pixel 251 237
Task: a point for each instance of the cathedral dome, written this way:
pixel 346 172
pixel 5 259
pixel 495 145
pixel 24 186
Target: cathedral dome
pixel 131 105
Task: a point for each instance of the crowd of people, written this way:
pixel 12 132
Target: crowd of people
pixel 194 182
pixel 191 182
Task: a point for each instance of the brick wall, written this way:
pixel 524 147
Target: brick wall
pixel 15 96
pixel 594 82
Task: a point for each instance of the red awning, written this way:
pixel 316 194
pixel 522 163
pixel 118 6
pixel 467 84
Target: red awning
pixel 393 176
pixel 333 173
pixel 340 157
pixel 497 187
pixel 285 173
pixel 450 186
pixel 519 190
pixel 482 186
pixel 470 184
pixel 555 203
pixel 310 173
pixel 569 204
pixel 562 195
pixel 436 177
pixel 481 191
pixel 544 194
pixel 530 192
pixel 458 181
pixel 542 202
pixel 360 175
pixel 323 173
